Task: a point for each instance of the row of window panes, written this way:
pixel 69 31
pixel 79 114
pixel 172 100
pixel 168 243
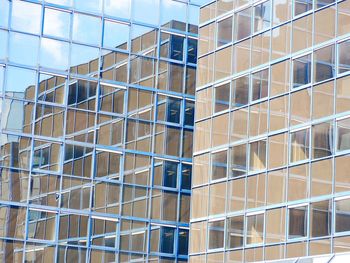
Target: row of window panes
pixel 218 65
pixel 42 226
pixel 272 226
pixel 263 14
pixel 323 143
pixel 171 76
pixel 154 9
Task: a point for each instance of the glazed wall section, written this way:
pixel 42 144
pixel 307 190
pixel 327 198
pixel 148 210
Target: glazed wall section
pixel 271 151
pixel 97 112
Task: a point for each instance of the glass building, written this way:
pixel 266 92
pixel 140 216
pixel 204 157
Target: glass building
pixel 97 114
pixel 271 161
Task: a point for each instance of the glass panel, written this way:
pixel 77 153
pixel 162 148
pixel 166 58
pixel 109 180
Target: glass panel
pixel 256 187
pixel 54 54
pixel 281 41
pixel 216 234
pixel 91 6
pixel 224 32
pixel 322 140
pixel 220 132
pixel 260 85
pixel 198 237
pixel 324 30
pixel 282 10
pixel 168 16
pixel 24 49
pixel 323 100
pixel 262 14
pixel 342 212
pixel 239 125
pixel 222 97
pixel 223 6
pixel 302 6
pixel 343 56
pixel 236 195
pixel 320 218
pixel 186 176
pixel 300 108
pixel 275 225
pixel 241 56
pixel 302 33
pixel 86 29
pixel 343 22
pixel 115 35
pixel 321 177
pixel 343 134
pixel 223 63
pixel 342 102
pixel 120 9
pixel 297 182
pixel 257 156
pixel 324 63
pixel 217 197
pixel 235 232
pixel 200 169
pixel 4 6
pixel 200 198
pixel 278 113
pixel 243 24
pixel 238 165
pixel 165 173
pixel 26 17
pixel 302 71
pixel 258 119
pixel 255 229
pixel 23 87
pixel 276 186
pixel 168 109
pixel 12 221
pixel 240 91
pixel 280 78
pixel 206 39
pixel 342 180
pixel 146 11
pixel 41 225
pixel 51 25
pixel 278 150
pixel 202 134
pixel 219 165
pixel 297 222
pixel 300 145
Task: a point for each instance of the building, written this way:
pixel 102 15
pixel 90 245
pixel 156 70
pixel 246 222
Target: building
pixel 97 113
pixel 271 152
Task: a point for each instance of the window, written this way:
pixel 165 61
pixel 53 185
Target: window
pixel 275 225
pixel 301 71
pixel 302 33
pixel 297 222
pixel 260 84
pixel 302 6
pixel 189 113
pixel 200 198
pixel 168 109
pixel 241 56
pixel 239 124
pixel 165 173
pixel 300 107
pixel 167 14
pixel 344 56
pixel 238 160
pixel 323 100
pixel 186 176
pixel 51 25
pixel 217 197
pixel 262 13
pixel 182 244
pixel 4 4
pixel 324 31
pixel 90 6
pixel 48 58
pixel 278 150
pixel 255 229
pixel 150 17
pixel 258 119
pixel 256 188
pixel 343 22
pixel 322 140
pixel 281 37
pixel 220 132
pixel 280 78
pixel 342 213
pixel 222 97
pixel 219 165
pixel 324 63
pixel 282 10
pixel 276 186
pixel 23 49
pixel 236 194
pixel 86 29
pixel 300 145
pixel 26 17
pixel 341 176
pixel 320 218
pixel 123 11
pixel 216 234
pixel 162 239
pixel 235 232
pixel 257 156
pixel 224 32
pixel 321 177
pixel 198 238
pixel 103 232
pixel 222 68
pixel 278 113
pixel 116 35
pixel 343 134
pixel 206 42
pixel 298 177
pixel 240 91
pixel 243 24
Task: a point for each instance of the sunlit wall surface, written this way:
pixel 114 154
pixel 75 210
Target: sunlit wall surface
pixel 97 112
pixel 271 160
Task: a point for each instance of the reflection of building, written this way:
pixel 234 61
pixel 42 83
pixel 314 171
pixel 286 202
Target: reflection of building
pixel 95 161
pixel 271 154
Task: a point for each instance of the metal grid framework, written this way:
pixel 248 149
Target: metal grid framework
pixel 270 167
pixel 97 111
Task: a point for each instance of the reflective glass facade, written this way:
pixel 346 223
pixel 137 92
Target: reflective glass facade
pixel 271 152
pixel 97 116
